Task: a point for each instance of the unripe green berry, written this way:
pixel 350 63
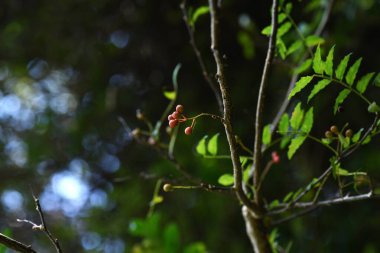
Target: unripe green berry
pixel 168 187
pixel 334 129
pixel 179 108
pixel 328 134
pixel 349 133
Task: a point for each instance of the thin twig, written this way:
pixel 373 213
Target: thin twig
pixel 294 78
pixel 294 216
pixel 15 245
pixel 206 74
pixel 238 177
pixel 44 227
pixel 257 154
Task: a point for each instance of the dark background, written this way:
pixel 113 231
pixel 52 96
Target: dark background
pixel 68 71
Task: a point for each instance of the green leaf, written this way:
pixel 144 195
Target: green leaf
pixel 364 81
pixel 283 29
pixel 226 179
pixel 201 147
pixel 197 247
pixel 339 73
pixel 157 200
pixel 288 8
pixel 266 135
pixel 283 125
pixel 355 138
pixel 340 99
pixel 287 197
pixel 274 203
pixel 197 13
pixel 296 45
pixel 148 227
pixel 318 87
pixel 171 95
pixel 247 44
pixel 300 85
pixel 295 144
pixel 171 238
pixel 345 141
pixel 307 123
pixel 281 17
pixel 318 64
pixel 212 145
pixel 285 140
pixel 351 74
pixel 267 30
pixel 374 108
pixel 329 67
pixel 377 80
pixel 297 117
pixel 281 48
pixel 314 40
pixel 304 66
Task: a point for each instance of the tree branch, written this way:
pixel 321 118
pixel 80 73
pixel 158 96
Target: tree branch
pixel 257 154
pixel 44 228
pixel 15 245
pixel 198 54
pixel 220 75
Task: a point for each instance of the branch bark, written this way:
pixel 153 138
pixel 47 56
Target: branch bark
pixel 15 245
pixel 224 89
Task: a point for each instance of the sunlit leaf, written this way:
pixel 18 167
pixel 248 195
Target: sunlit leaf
pixel 201 147
pixel 281 48
pixel 287 197
pixel 377 80
pixel 283 125
pixel 329 67
pixel 274 203
pixel 318 64
pixel 297 117
pixel 364 81
pixel 171 95
pixel 340 99
pixel 295 144
pixel 283 29
pixel 374 108
pixel 355 138
pixel 281 17
pixel 300 85
pixel 197 247
pixel 345 141
pixel 318 87
pixel 197 13
pixel 304 66
pixel 266 135
pixel 212 145
pixel 294 47
pixel 339 73
pixel 351 73
pixel 226 179
pixel 314 40
pixel 267 30
pixel 308 121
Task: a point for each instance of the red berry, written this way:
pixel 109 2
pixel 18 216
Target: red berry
pixel 188 130
pixel 170 117
pixel 175 115
pixel 173 123
pixel 179 108
pixel 275 157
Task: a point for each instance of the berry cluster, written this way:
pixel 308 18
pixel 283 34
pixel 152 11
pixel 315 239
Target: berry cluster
pixel 177 117
pixel 334 130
